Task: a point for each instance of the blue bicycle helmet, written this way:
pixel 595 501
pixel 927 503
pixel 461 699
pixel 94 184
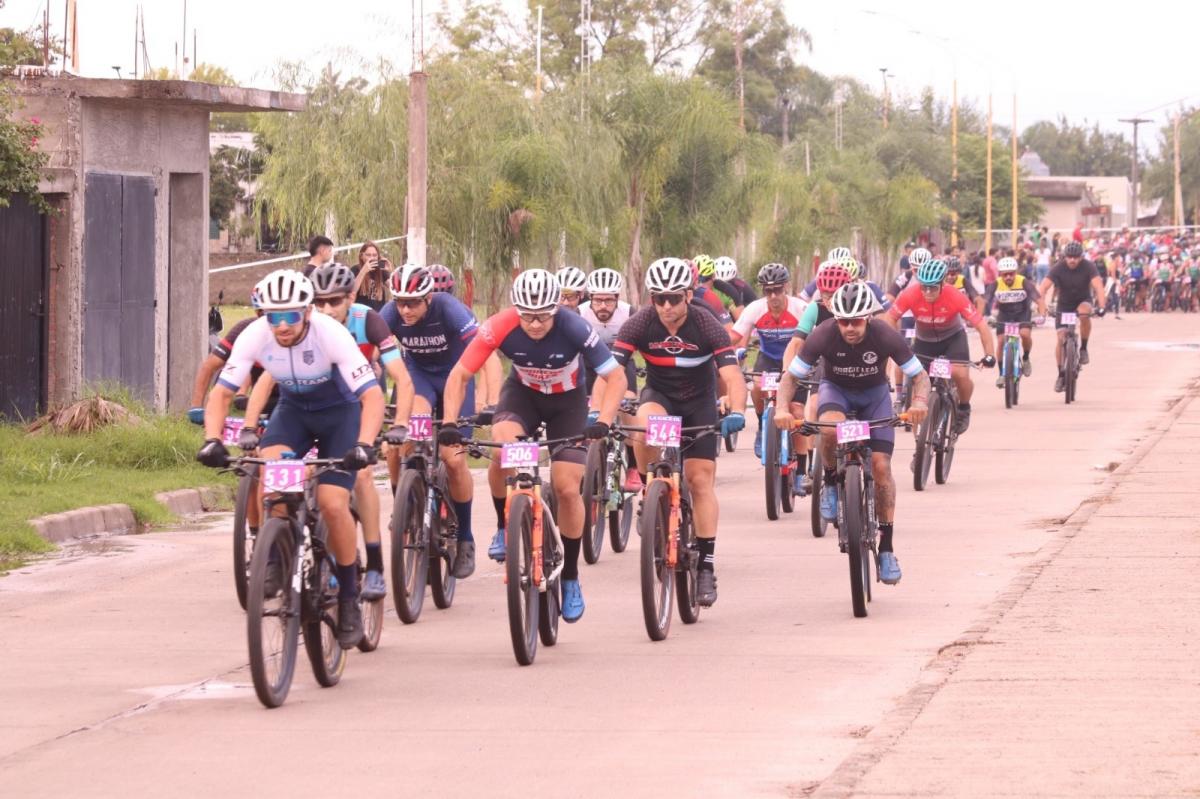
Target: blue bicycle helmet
pixel 931 273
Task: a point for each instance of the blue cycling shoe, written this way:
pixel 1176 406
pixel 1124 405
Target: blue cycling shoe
pixel 572 601
pixel 497 550
pixel 829 503
pixel 758 443
pixel 374 586
pixel 889 568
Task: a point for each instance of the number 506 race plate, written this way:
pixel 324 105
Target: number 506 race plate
pixel 519 455
pixel 663 431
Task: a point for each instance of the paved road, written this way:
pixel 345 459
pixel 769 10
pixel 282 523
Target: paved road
pixel 125 669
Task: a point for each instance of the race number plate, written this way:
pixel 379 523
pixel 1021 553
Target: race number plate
pixel 853 430
pixel 940 368
pixel 911 333
pixel 519 455
pixel 770 381
pixel 283 476
pixel 1012 329
pixel 420 427
pixel 663 431
pixel 233 428
pixel 1068 318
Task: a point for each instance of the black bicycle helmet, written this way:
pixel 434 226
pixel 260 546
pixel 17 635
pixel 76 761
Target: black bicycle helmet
pixel 773 275
pixel 1073 250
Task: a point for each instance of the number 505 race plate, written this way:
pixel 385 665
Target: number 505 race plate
pixel 663 431
pixel 519 455
pixel 940 367
pixel 853 430
pixel 770 381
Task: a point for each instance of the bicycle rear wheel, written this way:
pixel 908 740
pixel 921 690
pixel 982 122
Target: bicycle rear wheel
pixel 771 463
pixel 1010 381
pixel 522 594
pixel 550 600
pixel 372 613
pixel 442 582
pixel 594 501
pixel 926 435
pixel 620 522
pixel 947 439
pixel 1072 370
pixel 787 486
pixel 817 472
pixel 243 542
pixel 410 561
pixel 273 622
pixel 856 549
pixel 657 577
pixel 326 655
pixel 687 571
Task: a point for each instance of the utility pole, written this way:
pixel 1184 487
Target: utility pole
pixel 954 165
pixel 418 163
pixel 1133 213
pixel 537 89
pixel 987 227
pixel 883 74
pixel 1178 198
pixel 1014 174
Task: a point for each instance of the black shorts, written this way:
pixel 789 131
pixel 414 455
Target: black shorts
pixel 955 348
pixel 695 412
pixel 1026 323
pixel 765 363
pixel 630 377
pixel 1070 306
pixel 565 414
pixel 334 430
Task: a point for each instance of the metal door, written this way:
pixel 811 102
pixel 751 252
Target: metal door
pixel 23 247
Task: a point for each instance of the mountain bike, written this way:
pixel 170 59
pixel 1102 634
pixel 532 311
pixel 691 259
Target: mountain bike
pixel 1010 363
pixel 293 583
pixel 606 503
pixel 534 558
pixel 424 526
pixel 780 466
pixel 670 555
pixel 937 436
pixel 856 522
pixel 1071 364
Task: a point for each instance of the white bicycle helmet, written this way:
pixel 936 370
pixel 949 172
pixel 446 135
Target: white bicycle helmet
pixel 1007 264
pixel 535 290
pixel 854 300
pixel 837 253
pixel 284 289
pixel 605 281
pixel 571 278
pixel 411 282
pixel 726 268
pixel 668 275
pixel 918 257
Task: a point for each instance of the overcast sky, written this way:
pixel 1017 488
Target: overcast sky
pixel 1057 59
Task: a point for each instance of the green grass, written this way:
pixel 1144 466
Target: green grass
pixel 232 314
pixel 127 464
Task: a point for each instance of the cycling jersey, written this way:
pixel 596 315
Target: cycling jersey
pixel 855 367
pixel 939 319
pixel 678 364
pixel 607 330
pixel 371 333
pixel 814 314
pixel 1014 299
pixel 1164 274
pixel 749 295
pixel 1074 286
pixel 707 294
pixel 728 295
pixel 435 343
pixel 550 365
pixel 961 283
pixel 225 345
pixel 773 332
pixel 900 283
pixel 810 292
pixel 323 369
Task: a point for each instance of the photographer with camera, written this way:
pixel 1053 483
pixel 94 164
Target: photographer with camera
pixel 371 276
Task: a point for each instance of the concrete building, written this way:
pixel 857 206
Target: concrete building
pixel 113 286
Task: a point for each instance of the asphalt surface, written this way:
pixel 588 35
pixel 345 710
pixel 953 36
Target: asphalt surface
pixel 125 669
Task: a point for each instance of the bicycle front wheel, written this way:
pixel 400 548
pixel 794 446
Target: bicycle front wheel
pixel 1011 365
pixel 243 542
pixel 620 521
pixel 442 582
pixel 410 561
pixel 325 654
pixel 926 435
pixel 770 446
pixel 657 577
pixel 817 472
pixel 273 612
pixel 947 439
pixel 522 593
pixel 372 613
pixel 856 549
pixel 1072 370
pixel 594 501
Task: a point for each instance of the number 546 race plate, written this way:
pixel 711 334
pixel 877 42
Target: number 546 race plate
pixel 663 431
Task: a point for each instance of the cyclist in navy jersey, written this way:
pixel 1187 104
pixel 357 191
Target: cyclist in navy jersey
pixel 547 348
pixel 681 346
pixel 434 329
pixel 212 365
pixel 328 395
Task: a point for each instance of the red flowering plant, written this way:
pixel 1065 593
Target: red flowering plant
pixel 21 160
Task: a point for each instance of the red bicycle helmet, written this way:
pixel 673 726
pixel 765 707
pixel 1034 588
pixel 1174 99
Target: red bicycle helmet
pixel 831 277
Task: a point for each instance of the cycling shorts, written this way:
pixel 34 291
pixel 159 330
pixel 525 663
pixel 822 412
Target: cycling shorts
pixel 564 413
pixel 630 377
pixel 908 323
pixel 333 429
pixel 694 412
pixel 871 403
pixel 955 348
pixel 1026 324
pixel 433 387
pixel 765 363
pixel 1068 308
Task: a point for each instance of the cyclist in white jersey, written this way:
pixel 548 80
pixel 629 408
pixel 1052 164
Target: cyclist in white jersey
pixel 605 311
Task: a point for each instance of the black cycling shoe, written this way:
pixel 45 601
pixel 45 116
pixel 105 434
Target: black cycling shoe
pixel 962 420
pixel 464 560
pixel 706 589
pixel 350 623
pixel 1060 385
pixel 1083 358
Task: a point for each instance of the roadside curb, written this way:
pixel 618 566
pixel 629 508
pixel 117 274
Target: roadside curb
pixel 118 519
pixel 844 779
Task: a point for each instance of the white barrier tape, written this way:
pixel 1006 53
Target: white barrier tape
pixel 285 258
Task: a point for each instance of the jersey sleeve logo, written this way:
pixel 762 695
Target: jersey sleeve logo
pixel 361 371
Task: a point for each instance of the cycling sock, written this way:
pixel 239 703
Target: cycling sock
pixel 498 504
pixel 571 558
pixel 253 531
pixel 629 457
pixel 885 536
pixel 1083 344
pixel 347 581
pixel 463 511
pixel 706 547
pixel 964 406
pixel 375 558
pixel 393 488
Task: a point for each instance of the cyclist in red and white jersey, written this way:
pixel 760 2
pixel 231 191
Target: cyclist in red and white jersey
pixel 546 385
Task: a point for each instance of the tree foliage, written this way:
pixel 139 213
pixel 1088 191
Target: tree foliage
pixel 1070 149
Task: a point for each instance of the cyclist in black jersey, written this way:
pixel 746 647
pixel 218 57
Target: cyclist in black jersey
pixel 680 346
